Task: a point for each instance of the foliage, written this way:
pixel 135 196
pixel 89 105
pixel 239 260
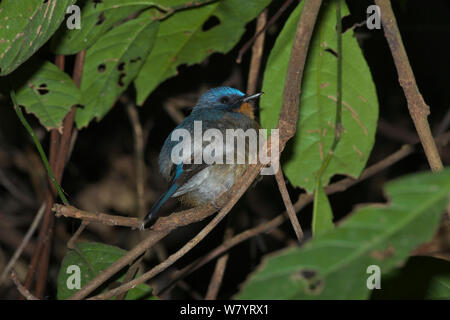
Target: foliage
pixel 315 131
pixel 92 258
pixel 333 265
pixel 139 44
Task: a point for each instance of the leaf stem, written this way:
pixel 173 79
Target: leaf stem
pixel 338 122
pixel 38 146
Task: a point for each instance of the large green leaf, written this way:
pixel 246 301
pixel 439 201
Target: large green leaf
pixel 315 131
pixel 91 259
pixel 25 26
pixel 182 40
pixel 97 18
pixel 46 91
pixel 112 63
pixel 334 265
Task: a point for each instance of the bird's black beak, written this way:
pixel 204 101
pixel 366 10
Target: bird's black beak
pixel 252 97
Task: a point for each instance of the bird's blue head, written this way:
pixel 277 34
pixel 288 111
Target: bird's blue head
pixel 224 98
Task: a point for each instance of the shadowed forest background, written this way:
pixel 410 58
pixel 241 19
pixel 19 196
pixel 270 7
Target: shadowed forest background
pixel 100 175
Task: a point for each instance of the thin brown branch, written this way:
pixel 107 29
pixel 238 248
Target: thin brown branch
pixel 62 157
pixel 417 107
pixel 139 162
pixel 23 244
pixel 272 20
pixel 288 204
pixel 23 291
pixel 72 241
pixel 257 51
pixel 219 271
pixel 43 232
pixel 47 224
pixel 110 220
pixel 130 275
pixel 59 164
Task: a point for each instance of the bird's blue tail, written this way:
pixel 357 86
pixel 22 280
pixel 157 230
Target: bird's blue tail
pixel 152 215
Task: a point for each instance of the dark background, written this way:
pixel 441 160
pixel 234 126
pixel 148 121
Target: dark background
pixel 100 174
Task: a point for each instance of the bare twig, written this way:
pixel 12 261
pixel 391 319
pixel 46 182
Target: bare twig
pixel 72 212
pixel 71 244
pixel 272 20
pixel 54 144
pixel 130 275
pixel 257 51
pixel 63 151
pixel 23 291
pixel 138 155
pixel 23 244
pixel 217 277
pixel 418 109
pixel 288 204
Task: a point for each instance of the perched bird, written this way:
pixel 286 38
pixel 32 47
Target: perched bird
pixel 195 184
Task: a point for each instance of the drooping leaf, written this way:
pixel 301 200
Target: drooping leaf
pixel 96 19
pixel 322 213
pixel 334 265
pixel 88 261
pixel 112 63
pixel 25 26
pixel 46 91
pixel 182 39
pixel 315 131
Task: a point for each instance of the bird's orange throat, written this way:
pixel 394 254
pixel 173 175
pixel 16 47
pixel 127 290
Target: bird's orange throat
pixel 247 109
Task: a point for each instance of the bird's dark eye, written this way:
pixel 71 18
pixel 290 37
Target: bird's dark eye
pixel 225 100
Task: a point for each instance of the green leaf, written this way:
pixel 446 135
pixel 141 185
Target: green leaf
pixel 322 213
pixel 25 26
pixel 421 278
pixel 91 259
pixel 334 265
pixel 315 131
pixel 96 19
pixel 182 40
pixel 46 91
pixel 112 63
